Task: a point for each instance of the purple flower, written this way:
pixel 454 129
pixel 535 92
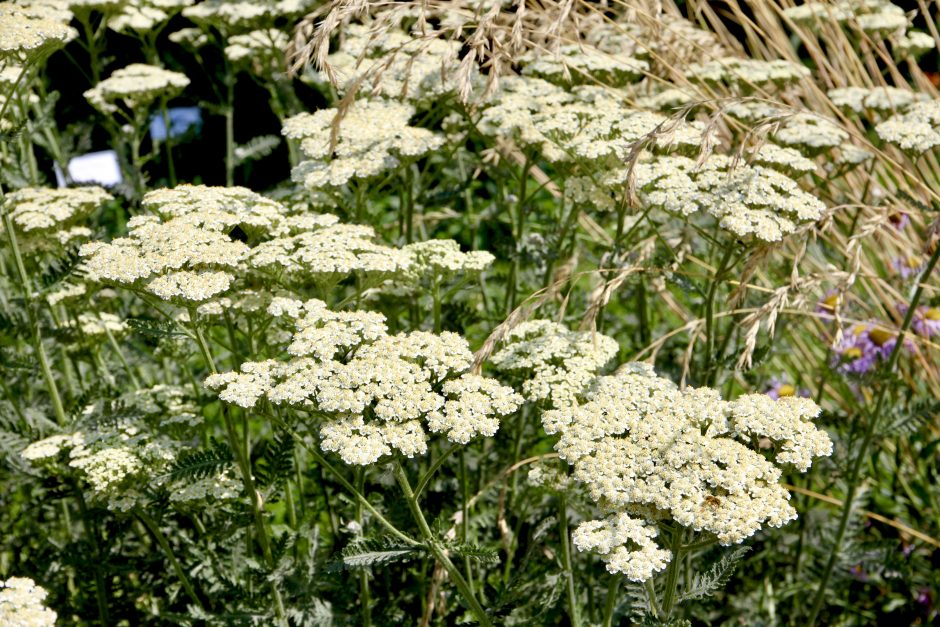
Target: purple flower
pixel 926 320
pixel 908 266
pixel 779 388
pixel 899 219
pixel 829 303
pixel 863 347
pixel 923 597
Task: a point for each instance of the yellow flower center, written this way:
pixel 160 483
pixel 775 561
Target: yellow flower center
pixel 786 390
pixel 829 302
pixel 933 313
pixel 852 353
pixel 880 337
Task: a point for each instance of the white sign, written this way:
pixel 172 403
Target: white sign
pixel 95 167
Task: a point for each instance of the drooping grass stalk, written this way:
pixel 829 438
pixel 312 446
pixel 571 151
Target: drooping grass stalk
pixel 154 528
pixel 573 607
pixel 870 429
pixel 434 545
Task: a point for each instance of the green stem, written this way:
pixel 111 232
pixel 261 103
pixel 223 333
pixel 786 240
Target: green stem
pixel 433 544
pixel 873 418
pixel 672 574
pixel 651 597
pixel 168 142
pixel 154 528
pixel 54 396
pixel 229 126
pixel 91 529
pixel 611 602
pixel 465 514
pixel 709 366
pixel 364 596
pixel 244 466
pixel 573 608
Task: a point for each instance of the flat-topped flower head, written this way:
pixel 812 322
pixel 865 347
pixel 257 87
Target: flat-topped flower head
pixel 21 603
pixel 394 64
pixel 625 544
pixel 916 130
pixel 746 75
pixel 575 64
pixel 39 211
pixel 810 133
pixel 442 259
pixel 644 447
pixel 860 99
pixel 219 208
pixel 371 137
pixel 554 363
pixel 376 394
pixel 143 16
pixel 27 34
pixel 137 86
pixel 260 49
pixel 242 15
pixel 749 201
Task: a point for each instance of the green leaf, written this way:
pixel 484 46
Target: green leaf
pixel 716 577
pixel 201 464
pixel 368 553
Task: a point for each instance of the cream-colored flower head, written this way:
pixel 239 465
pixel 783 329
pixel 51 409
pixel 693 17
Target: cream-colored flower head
pixel 860 99
pixel 48 219
pixel 749 201
pixel 137 86
pixel 914 131
pixel 373 136
pixel 219 208
pixel 377 393
pixel 261 49
pixel 143 16
pixel 26 33
pixel 21 603
pixel 576 64
pixel 242 15
pixel 553 363
pixel 643 447
pixel 395 65
pixel 747 75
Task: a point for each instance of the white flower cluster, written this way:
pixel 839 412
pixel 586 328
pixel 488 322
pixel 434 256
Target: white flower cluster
pixel 137 86
pixel 177 260
pixel 259 48
pixel 121 446
pixel 26 32
pixel 625 544
pixel 101 323
pixel 370 137
pixel 861 99
pixel 377 392
pixel 242 15
pixel 749 201
pixel 811 133
pixel 876 17
pixel 746 75
pixel 143 16
pixel 576 64
pixel 45 216
pixel 441 259
pixel 788 160
pixel 587 123
pixel 393 64
pixel 21 603
pixel 327 255
pixel 555 363
pixel 916 130
pixel 643 446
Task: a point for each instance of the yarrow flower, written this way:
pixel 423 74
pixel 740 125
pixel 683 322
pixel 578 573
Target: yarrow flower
pixel 647 450
pixel 915 130
pixel 26 33
pixel 554 363
pixel 21 604
pixel 45 218
pixel 137 86
pixel 373 136
pixel 377 393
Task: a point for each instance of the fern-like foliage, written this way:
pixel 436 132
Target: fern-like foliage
pixel 201 463
pixel 371 552
pixel 276 462
pixel 154 328
pixel 57 270
pixel 475 552
pixel 716 576
pixel 911 419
